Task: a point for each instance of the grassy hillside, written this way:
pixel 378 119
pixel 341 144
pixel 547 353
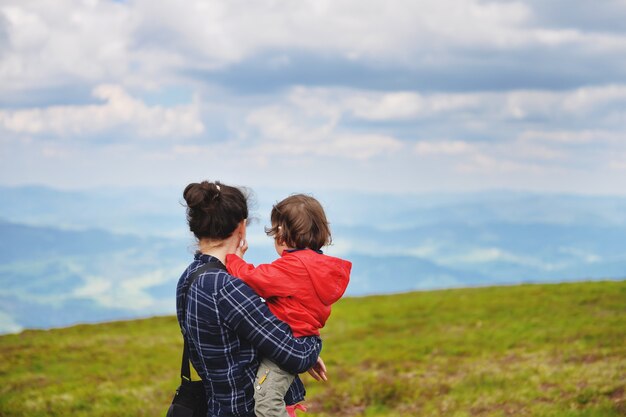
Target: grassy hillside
pixel 533 350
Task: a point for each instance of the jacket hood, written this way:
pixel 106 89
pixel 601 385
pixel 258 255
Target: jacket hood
pixel 329 275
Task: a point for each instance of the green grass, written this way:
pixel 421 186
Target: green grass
pixel 531 350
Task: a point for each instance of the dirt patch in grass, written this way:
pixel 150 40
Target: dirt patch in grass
pixel 618 397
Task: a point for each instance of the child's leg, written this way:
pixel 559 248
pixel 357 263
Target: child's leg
pixel 270 388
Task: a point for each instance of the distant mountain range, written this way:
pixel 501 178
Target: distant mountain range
pixel 85 256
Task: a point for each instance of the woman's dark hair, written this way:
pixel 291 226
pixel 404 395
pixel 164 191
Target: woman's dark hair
pixel 300 222
pixel 214 210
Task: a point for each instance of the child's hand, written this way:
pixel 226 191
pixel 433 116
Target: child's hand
pixel 242 248
pixel 318 371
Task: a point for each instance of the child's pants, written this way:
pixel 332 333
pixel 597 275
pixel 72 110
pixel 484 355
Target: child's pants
pixel 270 387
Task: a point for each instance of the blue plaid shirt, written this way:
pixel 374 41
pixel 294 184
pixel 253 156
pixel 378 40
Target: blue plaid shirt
pixel 228 326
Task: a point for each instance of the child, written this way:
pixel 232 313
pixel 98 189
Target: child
pixel 299 287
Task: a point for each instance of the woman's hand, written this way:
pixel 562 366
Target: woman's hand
pixel 318 371
pixel 242 248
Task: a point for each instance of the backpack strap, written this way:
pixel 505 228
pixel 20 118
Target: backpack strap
pixel 185 371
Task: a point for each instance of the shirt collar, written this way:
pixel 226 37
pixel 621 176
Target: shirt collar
pixel 296 250
pixel 204 258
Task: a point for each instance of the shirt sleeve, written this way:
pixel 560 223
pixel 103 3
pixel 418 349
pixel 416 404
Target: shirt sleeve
pixel 244 312
pixel 267 280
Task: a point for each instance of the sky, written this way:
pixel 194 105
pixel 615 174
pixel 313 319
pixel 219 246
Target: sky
pixel 401 96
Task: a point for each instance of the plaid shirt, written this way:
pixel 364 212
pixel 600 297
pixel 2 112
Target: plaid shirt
pixel 228 326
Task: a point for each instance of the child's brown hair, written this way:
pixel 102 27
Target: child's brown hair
pixel 300 222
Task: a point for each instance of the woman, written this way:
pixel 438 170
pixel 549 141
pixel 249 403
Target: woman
pixel 226 324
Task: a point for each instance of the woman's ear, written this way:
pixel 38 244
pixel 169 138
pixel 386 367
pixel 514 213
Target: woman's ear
pixel 241 229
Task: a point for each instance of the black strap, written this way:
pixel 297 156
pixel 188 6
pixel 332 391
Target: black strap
pixel 185 371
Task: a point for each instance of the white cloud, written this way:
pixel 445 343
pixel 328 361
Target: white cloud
pixel 145 42
pixel 322 110
pixel 618 164
pixel 584 100
pixel 457 138
pixel 227 31
pixel 493 164
pixel 361 146
pixel 443 148
pixel 93 287
pixel 488 135
pixel 119 110
pixel 427 250
pixel 586 256
pixel 56 43
pixel 535 152
pixel 502 106
pixel 406 105
pixel 493 254
pixel 401 105
pixel 572 137
pixel 302 128
pixel 484 156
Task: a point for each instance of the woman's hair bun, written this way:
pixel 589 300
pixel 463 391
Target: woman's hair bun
pixel 198 195
pixel 214 210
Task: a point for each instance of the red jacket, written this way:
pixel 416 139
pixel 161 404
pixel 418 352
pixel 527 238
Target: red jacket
pixel 299 286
